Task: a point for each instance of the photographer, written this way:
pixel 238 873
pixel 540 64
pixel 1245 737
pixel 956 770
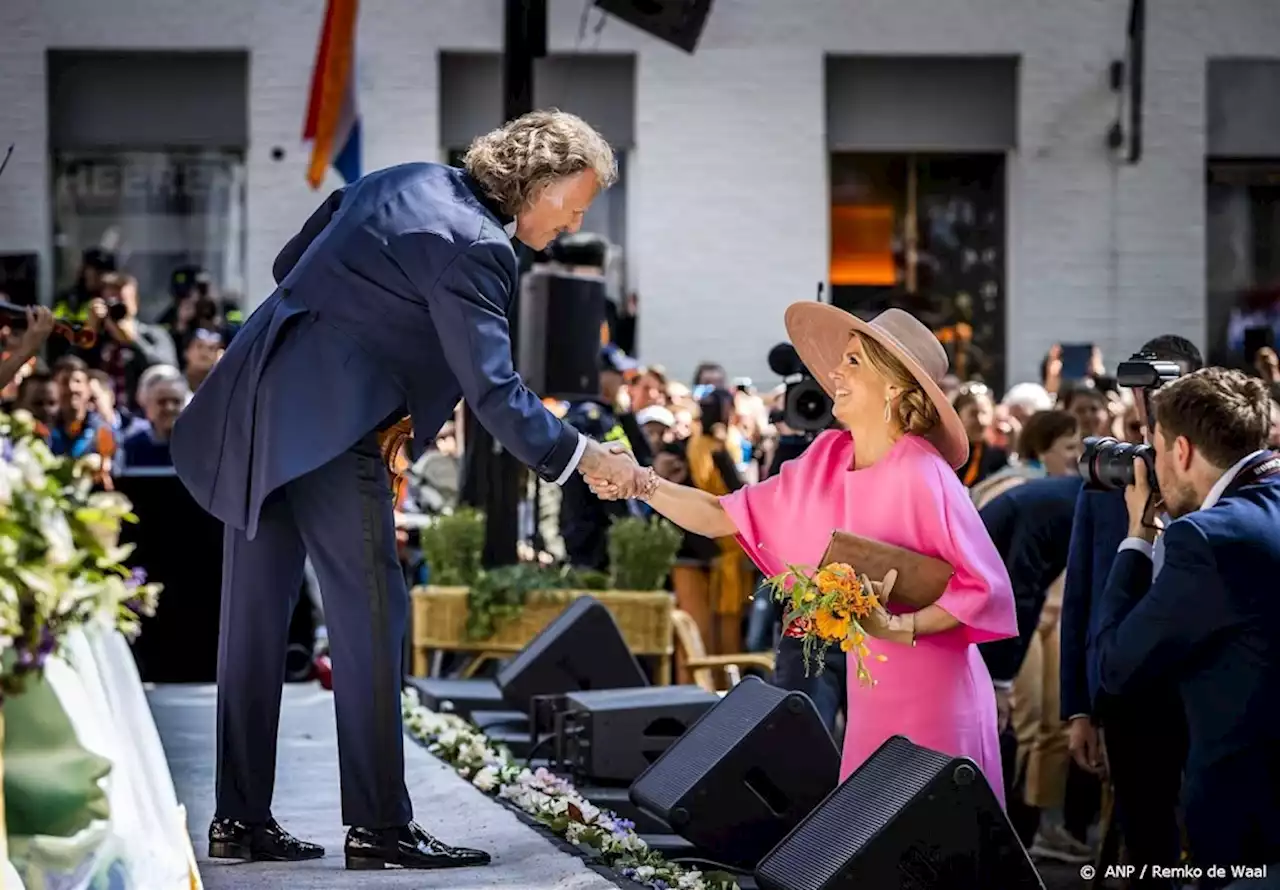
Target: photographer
pixel 194 306
pixel 1145 735
pixel 1209 621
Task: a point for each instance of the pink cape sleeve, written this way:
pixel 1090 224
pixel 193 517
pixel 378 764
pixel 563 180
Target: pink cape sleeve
pixel 980 595
pixel 762 512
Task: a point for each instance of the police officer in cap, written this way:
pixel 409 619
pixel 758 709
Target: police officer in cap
pixel 584 518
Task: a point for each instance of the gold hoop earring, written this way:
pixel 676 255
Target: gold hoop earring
pixel 888 408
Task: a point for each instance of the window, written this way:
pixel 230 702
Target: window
pixel 1242 230
pixel 157 210
pixel 925 233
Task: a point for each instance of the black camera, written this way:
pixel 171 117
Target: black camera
pixel 1106 463
pixel 1145 371
pixel 807 407
pixel 117 311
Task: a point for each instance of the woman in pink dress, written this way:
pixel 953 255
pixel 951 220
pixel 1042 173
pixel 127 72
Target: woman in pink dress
pixel 888 476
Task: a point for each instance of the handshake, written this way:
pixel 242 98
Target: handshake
pixel 612 473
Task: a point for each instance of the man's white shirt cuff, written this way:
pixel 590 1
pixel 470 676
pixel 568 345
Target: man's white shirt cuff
pixel 1146 548
pixel 1003 685
pixel 573 461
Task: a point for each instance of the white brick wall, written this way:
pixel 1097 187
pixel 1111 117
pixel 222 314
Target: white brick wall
pixel 728 191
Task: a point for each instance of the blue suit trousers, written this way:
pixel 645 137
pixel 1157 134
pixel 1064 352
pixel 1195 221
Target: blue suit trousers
pixel 341 516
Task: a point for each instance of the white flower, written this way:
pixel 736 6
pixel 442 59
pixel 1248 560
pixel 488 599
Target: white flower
pixel 25 460
pixel 486 779
pixel 590 812
pixel 57 534
pixel 10 477
pixel 543 794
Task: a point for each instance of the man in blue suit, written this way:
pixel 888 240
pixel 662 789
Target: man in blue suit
pixel 1210 620
pixel 1145 734
pixel 392 302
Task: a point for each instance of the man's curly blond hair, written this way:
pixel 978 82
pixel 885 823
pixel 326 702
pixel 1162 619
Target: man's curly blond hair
pixel 516 161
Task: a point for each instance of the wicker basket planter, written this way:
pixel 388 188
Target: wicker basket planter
pixel 440 620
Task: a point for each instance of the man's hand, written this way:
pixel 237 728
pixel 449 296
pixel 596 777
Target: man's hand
pixel 1086 747
pixel 97 314
pixel 39 327
pixel 610 470
pixel 1267 364
pixel 1141 505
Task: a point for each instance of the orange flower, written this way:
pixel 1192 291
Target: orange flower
pixel 837 577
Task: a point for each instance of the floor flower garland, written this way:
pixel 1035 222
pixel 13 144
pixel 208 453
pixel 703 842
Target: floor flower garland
pixel 552 801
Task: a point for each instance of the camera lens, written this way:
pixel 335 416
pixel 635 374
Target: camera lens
pixel 808 408
pixel 1107 463
pixel 117 311
pixel 810 405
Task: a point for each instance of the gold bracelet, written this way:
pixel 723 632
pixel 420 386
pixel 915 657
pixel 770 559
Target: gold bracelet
pixel 649 487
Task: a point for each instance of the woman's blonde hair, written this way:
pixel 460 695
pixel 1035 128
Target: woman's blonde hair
pixel 516 161
pixel 914 411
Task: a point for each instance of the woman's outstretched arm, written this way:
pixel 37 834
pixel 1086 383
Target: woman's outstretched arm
pixel 690 508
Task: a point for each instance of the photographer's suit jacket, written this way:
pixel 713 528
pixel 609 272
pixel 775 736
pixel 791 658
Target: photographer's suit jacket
pixel 1098 527
pixel 1211 623
pixel 391 300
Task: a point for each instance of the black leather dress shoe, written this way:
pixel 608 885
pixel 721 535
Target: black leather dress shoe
pixel 407 847
pixel 263 841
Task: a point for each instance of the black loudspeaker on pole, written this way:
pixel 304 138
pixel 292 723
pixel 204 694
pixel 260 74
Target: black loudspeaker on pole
pixel 493 479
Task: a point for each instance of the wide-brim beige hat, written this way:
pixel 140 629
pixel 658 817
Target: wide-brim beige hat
pixel 820 333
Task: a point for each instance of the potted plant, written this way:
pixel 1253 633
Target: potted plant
pixel 452 545
pixel 499 611
pixel 642 552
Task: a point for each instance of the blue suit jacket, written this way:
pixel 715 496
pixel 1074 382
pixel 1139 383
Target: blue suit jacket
pixel 1211 623
pixel 1098 528
pixel 1031 527
pixel 391 300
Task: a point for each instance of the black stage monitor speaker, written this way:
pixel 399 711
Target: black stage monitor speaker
pixel 561 315
pixel 613 735
pixel 909 819
pixel 581 649
pixel 678 22
pixel 744 775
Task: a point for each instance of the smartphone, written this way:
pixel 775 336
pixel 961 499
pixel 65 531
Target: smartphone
pixel 1255 339
pixel 1075 360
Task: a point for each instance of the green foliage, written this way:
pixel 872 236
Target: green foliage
pixel 61 563
pixel 642 552
pixel 452 546
pixel 499 595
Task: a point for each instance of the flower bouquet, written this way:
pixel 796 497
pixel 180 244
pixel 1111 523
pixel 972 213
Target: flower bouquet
pixel 826 608
pixel 61 563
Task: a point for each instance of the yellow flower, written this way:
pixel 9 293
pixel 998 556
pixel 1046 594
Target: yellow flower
pixel 830 626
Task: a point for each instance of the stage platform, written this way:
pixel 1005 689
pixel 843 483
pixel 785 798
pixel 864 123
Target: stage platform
pixel 306 804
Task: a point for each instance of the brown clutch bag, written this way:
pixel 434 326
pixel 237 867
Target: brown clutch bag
pixel 921 579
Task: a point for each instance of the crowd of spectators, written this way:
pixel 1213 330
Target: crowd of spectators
pixel 119 397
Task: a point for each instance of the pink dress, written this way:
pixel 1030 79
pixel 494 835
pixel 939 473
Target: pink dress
pixel 938 693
